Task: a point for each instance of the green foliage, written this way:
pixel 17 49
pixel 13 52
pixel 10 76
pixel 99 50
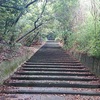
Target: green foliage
pixel 17 17
pixel 86 38
pixel 28 40
pixel 84 34
pixel 95 45
pixel 77 25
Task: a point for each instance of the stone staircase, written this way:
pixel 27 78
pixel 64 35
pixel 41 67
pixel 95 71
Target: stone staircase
pixel 52 71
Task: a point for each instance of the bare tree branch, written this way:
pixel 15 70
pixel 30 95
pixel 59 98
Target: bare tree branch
pixel 40 14
pixel 30 3
pixel 22 12
pixel 34 37
pixel 35 26
pixel 28 32
pixel 17 8
pixel 17 19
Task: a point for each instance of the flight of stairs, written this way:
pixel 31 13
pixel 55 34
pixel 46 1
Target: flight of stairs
pixel 52 71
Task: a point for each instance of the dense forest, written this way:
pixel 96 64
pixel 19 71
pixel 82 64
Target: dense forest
pixel 76 23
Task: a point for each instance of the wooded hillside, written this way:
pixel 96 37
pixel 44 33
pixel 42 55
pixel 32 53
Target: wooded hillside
pixel 75 22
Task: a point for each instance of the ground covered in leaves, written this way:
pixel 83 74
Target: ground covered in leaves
pixel 47 97
pixel 7 54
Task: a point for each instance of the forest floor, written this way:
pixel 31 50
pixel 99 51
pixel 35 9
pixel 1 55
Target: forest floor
pixel 8 55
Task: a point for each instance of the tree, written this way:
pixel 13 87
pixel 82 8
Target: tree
pixel 11 12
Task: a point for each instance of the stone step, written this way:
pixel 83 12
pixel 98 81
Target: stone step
pixel 57 61
pixel 53 73
pixel 53 66
pixel 51 90
pixel 55 69
pixel 56 76
pixel 68 64
pixel 56 81
pixel 23 83
pixel 52 78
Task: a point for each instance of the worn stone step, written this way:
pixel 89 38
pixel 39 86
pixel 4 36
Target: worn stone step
pixel 55 61
pixel 56 76
pixel 50 69
pixel 54 81
pixel 68 64
pixel 53 66
pixel 58 72
pixel 58 61
pixel 51 90
pixel 53 73
pixel 21 83
pixel 52 78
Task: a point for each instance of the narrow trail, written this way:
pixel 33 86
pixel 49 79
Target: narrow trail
pixel 51 71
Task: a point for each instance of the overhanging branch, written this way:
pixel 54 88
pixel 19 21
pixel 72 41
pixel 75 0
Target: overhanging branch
pixel 40 13
pixel 18 7
pixel 35 26
pixel 30 3
pixel 28 32
pixel 22 12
